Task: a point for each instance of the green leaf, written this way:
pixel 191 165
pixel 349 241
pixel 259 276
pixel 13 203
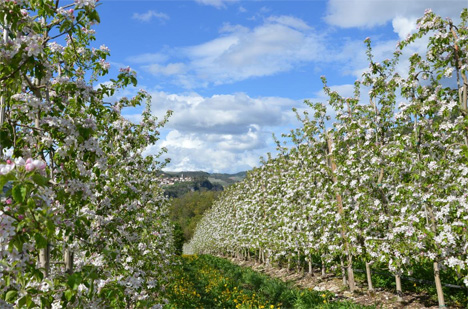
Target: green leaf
pixel 74 281
pixel 18 244
pixel 31 203
pixel 39 275
pixel 11 296
pixel 5 138
pixel 3 181
pixel 19 193
pixel 39 179
pixel 23 300
pixel 68 294
pixel 41 242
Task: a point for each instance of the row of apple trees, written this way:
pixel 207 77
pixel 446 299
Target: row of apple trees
pixel 385 182
pixel 83 223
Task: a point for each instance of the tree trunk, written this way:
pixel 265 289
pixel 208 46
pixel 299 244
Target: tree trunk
pixel 298 267
pixel 370 288
pixel 2 98
pixel 310 265
pixel 398 288
pixel 323 268
pixel 343 272
pixel 289 263
pixel 68 257
pixel 351 282
pixel 339 201
pixel 44 260
pixel 440 292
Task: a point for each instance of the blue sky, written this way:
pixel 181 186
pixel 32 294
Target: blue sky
pixel 233 70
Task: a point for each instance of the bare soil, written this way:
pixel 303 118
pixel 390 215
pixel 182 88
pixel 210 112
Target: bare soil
pixel 330 282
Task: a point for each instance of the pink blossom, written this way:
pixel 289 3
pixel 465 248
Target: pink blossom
pixel 29 167
pixel 39 164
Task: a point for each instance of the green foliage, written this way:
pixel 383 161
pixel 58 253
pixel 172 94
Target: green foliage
pixel 180 188
pixel 187 210
pixel 179 238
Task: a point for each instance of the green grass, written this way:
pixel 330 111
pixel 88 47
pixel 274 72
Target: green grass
pixel 210 282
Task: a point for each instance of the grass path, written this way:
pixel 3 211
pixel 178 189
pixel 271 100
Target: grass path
pixel 211 282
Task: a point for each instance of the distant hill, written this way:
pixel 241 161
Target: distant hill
pixel 226 179
pixel 176 184
pixel 186 174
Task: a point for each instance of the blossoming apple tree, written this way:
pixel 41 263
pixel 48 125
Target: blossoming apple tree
pixel 384 183
pixel 83 221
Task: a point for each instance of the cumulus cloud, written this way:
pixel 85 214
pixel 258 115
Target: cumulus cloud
pixel 211 133
pixel 223 114
pixel 279 44
pixel 401 13
pixel 404 26
pixel 149 15
pixel 190 152
pixel 366 14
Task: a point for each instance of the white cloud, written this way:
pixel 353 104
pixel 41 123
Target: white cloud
pixel 226 132
pixel 402 13
pixel 216 3
pixel 149 58
pixel 223 114
pixel 290 21
pixel 370 13
pixel 279 44
pixel 146 17
pixel 169 69
pixel 403 26
pixel 189 152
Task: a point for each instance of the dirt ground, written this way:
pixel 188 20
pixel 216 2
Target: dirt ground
pixel 380 298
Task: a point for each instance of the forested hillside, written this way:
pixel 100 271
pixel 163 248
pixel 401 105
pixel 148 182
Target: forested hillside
pixel 177 184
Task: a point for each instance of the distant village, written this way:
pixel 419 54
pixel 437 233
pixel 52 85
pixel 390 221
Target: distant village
pixel 172 180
